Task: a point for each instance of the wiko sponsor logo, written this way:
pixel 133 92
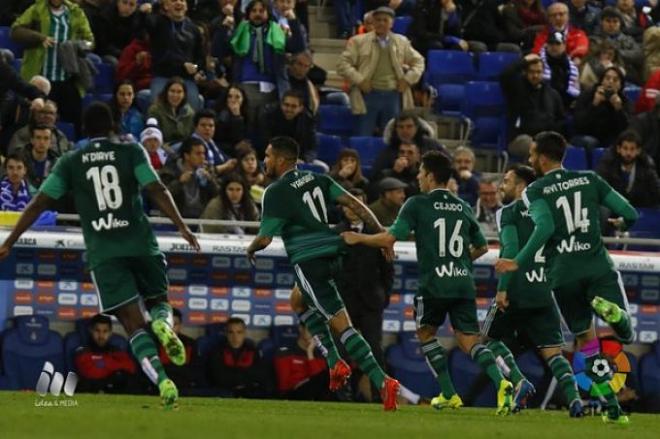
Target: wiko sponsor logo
pixel 53 382
pixel 536 275
pixel 450 270
pixel 572 245
pixel 109 223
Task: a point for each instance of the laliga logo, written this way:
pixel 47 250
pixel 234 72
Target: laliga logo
pixel 601 367
pixel 54 381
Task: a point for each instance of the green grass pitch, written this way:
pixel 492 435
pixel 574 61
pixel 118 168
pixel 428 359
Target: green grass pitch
pixel 128 417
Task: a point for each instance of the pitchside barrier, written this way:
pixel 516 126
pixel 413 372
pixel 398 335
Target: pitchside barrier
pixel 45 275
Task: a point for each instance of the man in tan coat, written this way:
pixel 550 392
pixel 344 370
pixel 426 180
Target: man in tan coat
pixel 381 67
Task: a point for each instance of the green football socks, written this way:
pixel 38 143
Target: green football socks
pixel 562 371
pixel 358 349
pixel 145 351
pixel 318 327
pixel 436 356
pixel 485 359
pixel 499 349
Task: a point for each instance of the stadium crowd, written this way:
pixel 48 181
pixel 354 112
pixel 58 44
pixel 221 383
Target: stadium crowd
pixel 203 85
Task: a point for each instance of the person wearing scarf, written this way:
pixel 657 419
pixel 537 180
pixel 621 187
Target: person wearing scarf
pixel 559 70
pixel 15 192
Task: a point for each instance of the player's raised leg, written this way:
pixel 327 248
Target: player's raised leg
pixel 162 324
pixel 611 304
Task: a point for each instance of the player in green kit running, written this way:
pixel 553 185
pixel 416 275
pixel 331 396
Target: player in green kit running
pixel 523 304
pixel 565 207
pixel 105 178
pixel 448 239
pixel 295 207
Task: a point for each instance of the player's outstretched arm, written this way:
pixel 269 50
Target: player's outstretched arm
pixel 163 199
pixel 362 211
pixel 32 211
pixel 379 240
pixel 257 244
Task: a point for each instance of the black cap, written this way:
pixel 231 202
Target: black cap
pixel 391 183
pixel 610 12
pixel 556 38
pixel 384 10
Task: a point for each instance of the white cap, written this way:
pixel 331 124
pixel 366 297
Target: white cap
pixel 151 131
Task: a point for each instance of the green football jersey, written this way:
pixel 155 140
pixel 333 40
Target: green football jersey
pixel 295 207
pixel 445 228
pixel 105 179
pixel 575 248
pixel 527 287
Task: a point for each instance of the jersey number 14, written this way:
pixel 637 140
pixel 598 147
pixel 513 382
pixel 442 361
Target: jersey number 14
pixel 576 218
pixel 106 187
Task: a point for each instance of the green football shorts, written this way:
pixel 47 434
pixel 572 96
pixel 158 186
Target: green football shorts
pixel 316 280
pixel 433 311
pixel 541 326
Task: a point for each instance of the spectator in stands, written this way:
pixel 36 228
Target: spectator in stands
pixel 345 18
pixel 392 196
pixel 405 167
pixel 347 170
pixel 633 21
pixel 584 15
pixel 233 203
pixel 128 118
pixel 559 70
pixel 406 127
pixel 487 205
pixel 220 162
pixel 650 91
pixel 101 366
pixel 175 116
pixel 15 191
pixel 603 56
pixel 436 24
pixel 301 371
pixel 532 105
pixel 37 155
pixel 187 376
pixel 629 49
pixel 647 126
pixel 651 49
pixel 42 28
pixel 176 50
pixel 232 119
pixel 257 49
pixel 467 180
pixel 152 140
pixel 284 14
pixel 236 367
pixel 577 43
pixel 119 23
pixel 251 171
pixel 482 23
pixel 299 67
pixel 601 113
pixel 522 20
pixel 365 283
pixel 189 180
pixel 379 84
pixel 135 63
pixel 293 120
pixel 424 95
pixel 627 168
pixel 44 116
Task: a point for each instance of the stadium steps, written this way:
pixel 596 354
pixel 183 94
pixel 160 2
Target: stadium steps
pixel 326 48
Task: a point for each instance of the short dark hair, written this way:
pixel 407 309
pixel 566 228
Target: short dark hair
pixel 285 147
pixel 176 312
pixel 40 127
pixel 523 173
pixel 294 94
pixel 235 321
pixel 629 136
pixel 437 164
pixel 15 157
pixel 405 115
pixel 551 144
pixel 204 113
pixel 188 144
pixel 254 3
pixel 98 120
pixel 100 319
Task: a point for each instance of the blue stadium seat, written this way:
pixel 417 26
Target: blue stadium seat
pixel 17 64
pixel 575 159
pixel 491 64
pixel 335 119
pixel 409 366
pixel 104 81
pixel 464 371
pixel 104 97
pixel 401 25
pixel 68 129
pixel 205 344
pixel 7 43
pixel 484 99
pixel 368 148
pixel 26 348
pixel 311 167
pixel 74 340
pixel 280 336
pixel 649 375
pixel 449 67
pixel 450 99
pixel 596 155
pixel 632 92
pixel 328 147
pixel 647 223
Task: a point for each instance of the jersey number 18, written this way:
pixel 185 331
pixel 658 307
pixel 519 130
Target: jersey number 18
pixel 106 187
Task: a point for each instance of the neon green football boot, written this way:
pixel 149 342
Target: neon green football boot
pixel 608 311
pixel 440 402
pixel 174 348
pixel 504 398
pixel 169 394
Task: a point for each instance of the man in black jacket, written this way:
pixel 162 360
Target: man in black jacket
pixel 533 106
pixel 630 171
pixel 647 125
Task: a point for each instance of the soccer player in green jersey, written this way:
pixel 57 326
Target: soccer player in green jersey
pixel 295 207
pixel 523 304
pixel 448 239
pixel 565 207
pixel 105 178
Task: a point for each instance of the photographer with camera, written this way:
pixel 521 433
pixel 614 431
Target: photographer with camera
pixel 603 112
